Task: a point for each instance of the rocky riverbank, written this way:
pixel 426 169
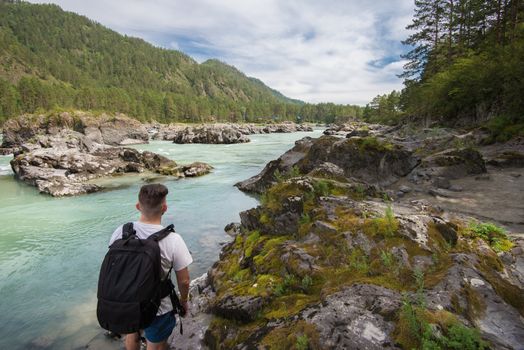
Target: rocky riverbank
pixel 220 133
pixel 355 245
pixel 62 154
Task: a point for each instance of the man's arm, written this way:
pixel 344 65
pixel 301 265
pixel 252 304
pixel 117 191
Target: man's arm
pixel 182 280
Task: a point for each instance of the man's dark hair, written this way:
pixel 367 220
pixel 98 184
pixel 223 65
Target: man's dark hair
pixel 151 198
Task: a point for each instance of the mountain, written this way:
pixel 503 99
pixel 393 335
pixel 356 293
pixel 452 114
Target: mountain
pixel 50 58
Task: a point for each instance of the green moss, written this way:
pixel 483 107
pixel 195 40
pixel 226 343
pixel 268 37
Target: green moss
pixel 226 334
pixel 288 305
pixel 511 294
pixel 385 226
pixel 346 220
pixel 476 305
pixel 371 143
pixel 298 335
pixel 275 196
pixel 251 241
pixel 264 219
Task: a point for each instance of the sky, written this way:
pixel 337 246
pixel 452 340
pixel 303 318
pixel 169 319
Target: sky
pixel 342 51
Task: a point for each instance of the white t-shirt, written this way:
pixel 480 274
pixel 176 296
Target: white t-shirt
pixel 173 252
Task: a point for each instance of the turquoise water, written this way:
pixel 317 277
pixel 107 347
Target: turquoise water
pixel 51 248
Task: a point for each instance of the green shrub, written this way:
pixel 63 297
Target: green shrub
pixel 306 283
pixel 460 337
pixel 321 188
pixel 492 234
pixel 503 128
pixel 302 342
pixel 387 258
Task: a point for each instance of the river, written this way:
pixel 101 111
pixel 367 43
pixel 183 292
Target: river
pixel 51 248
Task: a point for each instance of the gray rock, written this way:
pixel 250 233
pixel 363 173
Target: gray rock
pixel 508 159
pixel 405 189
pixel 358 317
pixel 196 169
pixel 375 164
pixel 448 232
pixel 283 164
pixel 441 182
pixel 297 261
pixel 454 163
pixel 65 170
pixel 103 129
pixel 4 151
pixel 233 229
pixel 241 308
pixel 211 134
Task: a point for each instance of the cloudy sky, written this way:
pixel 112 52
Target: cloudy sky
pixel 343 51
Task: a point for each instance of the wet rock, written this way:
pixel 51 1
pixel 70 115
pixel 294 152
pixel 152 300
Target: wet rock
pixel 233 229
pixel 196 169
pixel 4 151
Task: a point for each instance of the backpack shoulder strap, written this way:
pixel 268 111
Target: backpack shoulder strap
pixel 160 235
pixel 128 230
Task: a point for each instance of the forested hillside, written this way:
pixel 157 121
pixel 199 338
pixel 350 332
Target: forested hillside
pixel 466 63
pixel 50 59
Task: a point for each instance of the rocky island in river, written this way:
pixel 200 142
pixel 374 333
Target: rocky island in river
pixel 60 154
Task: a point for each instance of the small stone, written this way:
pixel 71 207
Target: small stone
pixel 438 193
pixel 441 182
pixel 456 188
pixel 483 177
pixel 476 282
pixel 405 189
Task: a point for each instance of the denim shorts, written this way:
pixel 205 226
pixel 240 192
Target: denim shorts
pixel 161 328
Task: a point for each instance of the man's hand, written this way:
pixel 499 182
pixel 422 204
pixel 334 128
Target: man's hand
pixel 182 279
pixel 185 305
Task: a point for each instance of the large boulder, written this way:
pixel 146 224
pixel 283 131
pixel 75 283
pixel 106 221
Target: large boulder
pixel 365 159
pixel 454 163
pixel 282 165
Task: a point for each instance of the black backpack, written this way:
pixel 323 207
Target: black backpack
pixel 130 287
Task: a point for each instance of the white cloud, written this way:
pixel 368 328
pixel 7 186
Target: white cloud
pixel 338 50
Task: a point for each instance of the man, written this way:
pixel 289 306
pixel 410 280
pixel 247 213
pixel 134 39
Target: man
pixel 174 253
